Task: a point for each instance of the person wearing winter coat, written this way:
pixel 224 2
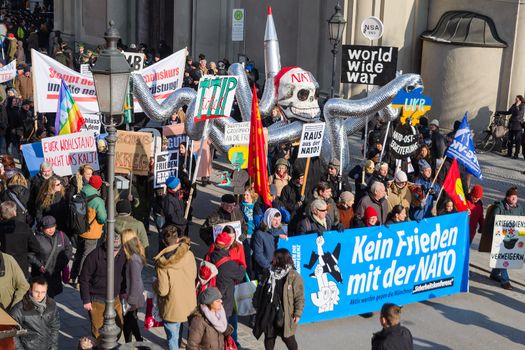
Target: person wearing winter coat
pixel 317 221
pixel 16 238
pixel 125 221
pixel 423 199
pixel 516 112
pixel 247 206
pixel 12 281
pixel 281 176
pixel 337 181
pixel 227 212
pixel 136 260
pixel 376 199
pixel 279 301
pixel 264 241
pixel 20 55
pixel 393 336
pixel 398 191
pixel 208 322
pixel 17 191
pixel 324 191
pixel 11 47
pixel 235 250
pixel 175 283
pixel 35 184
pixel 39 315
pixel 173 206
pixel 346 210
pixel 293 201
pixel 475 205
pixel 51 200
pixel 397 215
pixel 54 254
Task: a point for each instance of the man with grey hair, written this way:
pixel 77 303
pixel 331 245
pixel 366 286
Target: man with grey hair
pixel 317 220
pixel 376 198
pixel 36 182
pixel 16 237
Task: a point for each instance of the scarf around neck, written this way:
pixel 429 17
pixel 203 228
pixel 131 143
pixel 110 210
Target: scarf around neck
pixel 39 306
pixel 217 319
pixel 276 275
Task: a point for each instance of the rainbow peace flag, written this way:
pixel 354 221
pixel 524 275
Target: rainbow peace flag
pixel 68 119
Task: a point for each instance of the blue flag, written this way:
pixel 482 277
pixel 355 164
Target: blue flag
pixel 462 148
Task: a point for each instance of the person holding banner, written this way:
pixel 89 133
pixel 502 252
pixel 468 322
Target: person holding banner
pixel 317 221
pixel 427 192
pixel 507 206
pixel 376 199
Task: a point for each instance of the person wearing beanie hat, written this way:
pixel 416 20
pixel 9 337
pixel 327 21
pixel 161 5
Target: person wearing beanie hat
pixel 265 240
pixel 507 206
pixel 345 208
pixel 223 240
pixel 124 220
pixel 380 175
pixel 281 176
pixel 208 324
pixel 424 193
pixel 173 205
pixel 228 211
pixel 337 181
pixel 97 216
pixel 370 217
pixel 206 272
pixel 398 191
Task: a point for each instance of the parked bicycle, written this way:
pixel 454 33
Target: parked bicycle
pixel 495 137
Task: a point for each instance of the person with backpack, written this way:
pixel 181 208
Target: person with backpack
pixel 53 256
pixel 175 283
pixel 87 225
pixel 17 191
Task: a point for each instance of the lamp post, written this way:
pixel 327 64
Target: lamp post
pixel 336 26
pixel 111 75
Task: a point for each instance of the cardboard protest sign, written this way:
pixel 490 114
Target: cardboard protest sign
pixel 175 135
pixel 370 65
pixel 132 152
pixel 92 123
pixel 33 156
pixel 358 271
pixel 508 242
pixel 66 153
pixel 8 72
pixel 413 103
pixel 217 229
pixel 404 141
pixel 311 140
pixel 237 134
pixel 215 97
pixel 135 60
pixel 166 165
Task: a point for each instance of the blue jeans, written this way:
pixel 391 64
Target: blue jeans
pixel 172 334
pixel 502 273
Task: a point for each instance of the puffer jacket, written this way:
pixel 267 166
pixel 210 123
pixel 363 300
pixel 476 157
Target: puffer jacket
pixel 175 284
pixel 97 214
pixel 42 328
pixel 202 335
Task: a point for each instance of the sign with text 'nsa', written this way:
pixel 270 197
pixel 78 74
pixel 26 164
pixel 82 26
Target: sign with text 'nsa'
pixel 370 65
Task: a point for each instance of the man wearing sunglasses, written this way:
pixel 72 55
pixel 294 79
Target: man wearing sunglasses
pixel 317 220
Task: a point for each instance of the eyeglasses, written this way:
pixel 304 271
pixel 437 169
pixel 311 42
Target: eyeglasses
pixel 323 210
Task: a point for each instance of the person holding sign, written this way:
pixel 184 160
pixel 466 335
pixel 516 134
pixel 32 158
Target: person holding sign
pixel 227 212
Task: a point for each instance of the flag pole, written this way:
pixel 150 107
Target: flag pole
pixel 435 178
pixel 190 152
pixel 307 167
pixel 384 142
pixel 197 164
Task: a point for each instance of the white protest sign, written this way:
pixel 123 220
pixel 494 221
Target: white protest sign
pixel 238 25
pixel 8 72
pixel 215 97
pixel 84 70
pixel 66 153
pixel 166 165
pixel 93 123
pixel 508 242
pixel 135 60
pixel 372 28
pixel 217 229
pixel 237 134
pixel 311 140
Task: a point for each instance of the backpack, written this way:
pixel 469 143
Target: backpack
pixel 78 218
pixel 213 281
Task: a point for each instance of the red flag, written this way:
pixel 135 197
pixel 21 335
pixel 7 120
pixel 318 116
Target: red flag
pixel 256 154
pixel 452 185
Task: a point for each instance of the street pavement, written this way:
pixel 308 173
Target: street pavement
pixel 488 317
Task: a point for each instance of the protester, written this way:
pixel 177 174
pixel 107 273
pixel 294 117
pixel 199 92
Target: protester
pixel 247 206
pixel 17 191
pixel 16 237
pixel 124 221
pixel 423 153
pixel 398 192
pixel 293 200
pixel 345 208
pixel 279 301
pixel 173 206
pixel 475 206
pixel 324 191
pixel 317 221
pixel 397 215
pixel 423 199
pixel 175 283
pixel 51 200
pixel 93 282
pixel 53 256
pixel 235 250
pixel 362 177
pixel 46 171
pixel 227 212
pixel 380 175
pixel 39 315
pixel 507 206
pixel 208 322
pixel 13 283
pixel 264 241
pixel 515 126
pixel 376 199
pixel 79 180
pixel 439 143
pixel 448 207
pixel 393 336
pixel 281 176
pixel 134 297
pixel 337 181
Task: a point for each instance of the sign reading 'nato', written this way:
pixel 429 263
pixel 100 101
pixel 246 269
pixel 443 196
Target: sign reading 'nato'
pixel 370 65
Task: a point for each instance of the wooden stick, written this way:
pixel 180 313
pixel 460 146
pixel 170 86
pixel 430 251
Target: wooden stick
pixel 197 165
pixel 303 188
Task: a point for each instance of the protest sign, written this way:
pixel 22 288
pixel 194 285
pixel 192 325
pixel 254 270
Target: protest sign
pixel 166 165
pixel 162 78
pixel 85 70
pixel 66 153
pixel 508 242
pixel 33 156
pixel 175 135
pixel 92 123
pixel 414 105
pixel 359 270
pixel 237 134
pixel 217 229
pixel 215 97
pixel 135 60
pixel 8 72
pixel 370 65
pixel 238 156
pixel 132 152
pixel 404 141
pixel 372 28
pixel 311 140
pixel 238 25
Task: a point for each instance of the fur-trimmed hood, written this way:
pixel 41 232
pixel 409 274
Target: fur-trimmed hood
pixel 171 255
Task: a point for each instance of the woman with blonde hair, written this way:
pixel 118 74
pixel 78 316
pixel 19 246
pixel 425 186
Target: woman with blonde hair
pixel 81 178
pixel 51 201
pixel 17 191
pixel 136 259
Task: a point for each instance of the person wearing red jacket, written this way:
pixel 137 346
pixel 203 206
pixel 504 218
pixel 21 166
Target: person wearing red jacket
pixel 475 207
pixel 236 250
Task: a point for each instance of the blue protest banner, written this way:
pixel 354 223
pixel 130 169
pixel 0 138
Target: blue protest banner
pixel 462 148
pixel 358 270
pixel 33 156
